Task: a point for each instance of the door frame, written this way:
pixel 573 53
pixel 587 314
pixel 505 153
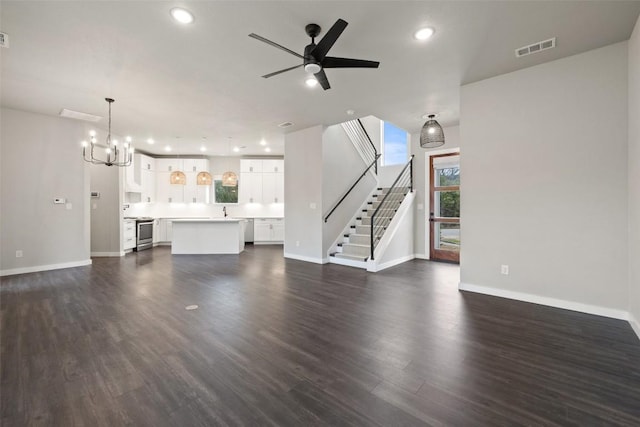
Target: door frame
pixel 427 186
pixel 430 226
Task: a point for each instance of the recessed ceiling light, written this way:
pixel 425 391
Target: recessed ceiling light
pixel 263 142
pixel 167 148
pixel 268 150
pixel 150 141
pixel 350 112
pixel 203 149
pixel 236 149
pixel 424 33
pixel 183 16
pixel 311 82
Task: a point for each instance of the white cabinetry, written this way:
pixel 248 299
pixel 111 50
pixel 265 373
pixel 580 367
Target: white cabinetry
pixel 191 192
pixel 250 187
pixel 268 230
pixel 164 230
pixel 261 181
pixel 129 234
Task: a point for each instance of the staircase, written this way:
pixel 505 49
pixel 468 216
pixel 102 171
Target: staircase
pixel 355 249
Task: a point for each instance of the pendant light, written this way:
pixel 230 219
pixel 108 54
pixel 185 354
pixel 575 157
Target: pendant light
pixel 204 178
pixel 431 135
pixel 178 178
pixel 115 156
pixel 229 178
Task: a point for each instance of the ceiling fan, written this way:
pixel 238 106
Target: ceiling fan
pixel 315 58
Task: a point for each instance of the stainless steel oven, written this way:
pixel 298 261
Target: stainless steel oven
pixel 144 233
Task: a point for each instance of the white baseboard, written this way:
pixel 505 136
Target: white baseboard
pixel 635 325
pixel 552 302
pixel 107 254
pixel 37 268
pixel 374 267
pixel 306 258
pixel 422 256
pixel 269 243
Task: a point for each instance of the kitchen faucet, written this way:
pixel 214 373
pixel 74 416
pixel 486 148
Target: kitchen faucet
pixel 224 211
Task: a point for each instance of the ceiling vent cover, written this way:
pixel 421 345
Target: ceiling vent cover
pixel 4 40
pixel 285 124
pixel 536 47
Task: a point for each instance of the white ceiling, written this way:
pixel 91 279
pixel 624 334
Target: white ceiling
pixel 180 83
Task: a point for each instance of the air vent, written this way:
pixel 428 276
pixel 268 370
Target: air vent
pixel 70 114
pixel 285 124
pixel 4 40
pixel 536 47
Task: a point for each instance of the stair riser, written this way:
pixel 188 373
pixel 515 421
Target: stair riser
pixel 356 250
pixel 363 229
pixel 359 240
pixel 380 221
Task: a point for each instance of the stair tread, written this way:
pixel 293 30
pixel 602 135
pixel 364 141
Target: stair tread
pixel 351 257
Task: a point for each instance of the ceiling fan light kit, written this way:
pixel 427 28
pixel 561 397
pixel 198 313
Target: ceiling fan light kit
pixel 315 58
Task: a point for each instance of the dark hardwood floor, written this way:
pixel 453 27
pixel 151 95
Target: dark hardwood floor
pixel 283 342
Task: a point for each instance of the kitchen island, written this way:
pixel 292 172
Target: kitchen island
pixel 208 236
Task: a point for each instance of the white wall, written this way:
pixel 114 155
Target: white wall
pixel 544 183
pixel 634 177
pixel 40 159
pixel 106 216
pixel 341 167
pixel 421 184
pixel 303 195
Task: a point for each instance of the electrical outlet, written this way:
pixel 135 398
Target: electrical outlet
pixel 18 254
pixel 504 269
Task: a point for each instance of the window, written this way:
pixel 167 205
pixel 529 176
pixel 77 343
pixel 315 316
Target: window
pixel 224 194
pixel 394 145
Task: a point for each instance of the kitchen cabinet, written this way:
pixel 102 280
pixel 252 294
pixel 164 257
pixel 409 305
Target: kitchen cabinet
pixel 250 188
pixel 164 230
pixel 261 181
pixel 129 234
pixel 268 230
pixel 272 188
pixel 148 181
pixel 167 192
pixel 273 165
pixel 156 231
pixel 195 165
pixel 251 165
pixel 194 193
pixel 169 165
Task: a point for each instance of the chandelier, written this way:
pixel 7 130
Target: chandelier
pixel 114 155
pixel 432 134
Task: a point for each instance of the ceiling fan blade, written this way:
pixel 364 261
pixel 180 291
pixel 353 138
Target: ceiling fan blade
pixel 275 73
pixel 321 77
pixel 333 62
pixel 274 44
pixel 322 48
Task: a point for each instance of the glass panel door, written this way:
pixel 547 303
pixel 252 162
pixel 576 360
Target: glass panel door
pixel 444 202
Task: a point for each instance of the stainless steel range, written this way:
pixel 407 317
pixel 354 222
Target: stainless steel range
pixel 144 233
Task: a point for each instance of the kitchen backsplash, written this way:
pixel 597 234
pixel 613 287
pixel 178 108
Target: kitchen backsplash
pixel 191 210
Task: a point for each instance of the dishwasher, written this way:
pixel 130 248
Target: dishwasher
pixel 248 231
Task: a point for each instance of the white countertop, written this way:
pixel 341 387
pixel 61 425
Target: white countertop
pixel 208 220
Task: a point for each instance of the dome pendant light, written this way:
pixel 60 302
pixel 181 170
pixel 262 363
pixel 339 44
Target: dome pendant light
pixel 431 135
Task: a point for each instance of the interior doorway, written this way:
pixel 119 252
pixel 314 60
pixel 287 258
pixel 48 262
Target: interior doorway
pixel 444 203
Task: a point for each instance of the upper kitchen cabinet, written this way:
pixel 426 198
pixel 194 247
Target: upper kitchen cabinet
pixel 169 165
pixel 196 165
pixel 273 165
pixel 250 165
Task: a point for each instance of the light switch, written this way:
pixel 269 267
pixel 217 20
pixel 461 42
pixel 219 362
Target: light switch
pixel 94 206
pixel 312 205
pixel 69 206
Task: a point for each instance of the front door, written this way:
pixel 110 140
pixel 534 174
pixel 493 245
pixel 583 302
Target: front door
pixel 444 200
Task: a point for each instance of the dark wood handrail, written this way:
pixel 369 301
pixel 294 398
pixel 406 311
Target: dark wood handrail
pixel 375 162
pixel 393 186
pixel 375 152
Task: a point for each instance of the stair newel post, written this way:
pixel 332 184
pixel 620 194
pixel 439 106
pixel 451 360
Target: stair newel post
pixel 373 220
pixel 411 174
